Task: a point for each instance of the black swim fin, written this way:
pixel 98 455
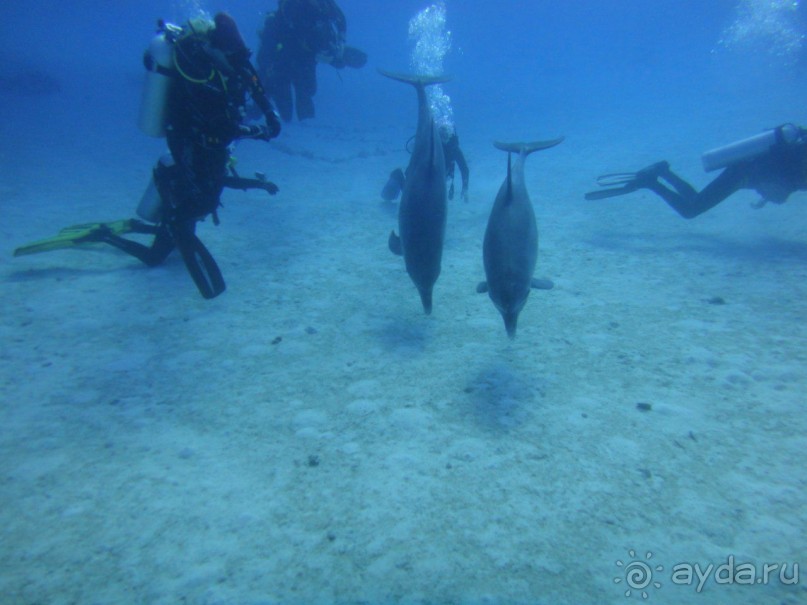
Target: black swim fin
pixel 621 183
pixel 202 267
pixel 612 192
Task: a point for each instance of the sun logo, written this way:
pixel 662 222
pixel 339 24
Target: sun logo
pixel 638 574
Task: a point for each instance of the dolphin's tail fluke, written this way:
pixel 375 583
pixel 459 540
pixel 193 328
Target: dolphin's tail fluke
pixel 414 79
pixel 527 148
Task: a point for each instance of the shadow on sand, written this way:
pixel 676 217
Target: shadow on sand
pixel 405 337
pixel 501 397
pixel 762 249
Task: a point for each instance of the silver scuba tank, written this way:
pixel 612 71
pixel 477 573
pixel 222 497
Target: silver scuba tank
pixel 158 58
pixel 749 148
pixel 151 204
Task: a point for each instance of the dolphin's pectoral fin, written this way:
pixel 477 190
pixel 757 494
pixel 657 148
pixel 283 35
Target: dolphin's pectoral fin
pixel 542 284
pixel 395 244
pixel 482 287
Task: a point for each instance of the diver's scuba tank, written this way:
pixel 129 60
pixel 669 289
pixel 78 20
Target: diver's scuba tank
pixel 749 148
pixel 151 204
pixel 158 60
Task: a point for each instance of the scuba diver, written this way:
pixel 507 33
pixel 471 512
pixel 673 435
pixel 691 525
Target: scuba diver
pixel 774 163
pixel 297 35
pixel 453 155
pixel 196 86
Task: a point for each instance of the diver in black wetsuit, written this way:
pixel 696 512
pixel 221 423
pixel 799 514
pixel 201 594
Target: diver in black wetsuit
pixel 295 37
pixel 453 156
pixel 774 163
pixel 209 79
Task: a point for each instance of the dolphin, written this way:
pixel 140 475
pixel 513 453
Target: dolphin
pixel 510 250
pixel 422 212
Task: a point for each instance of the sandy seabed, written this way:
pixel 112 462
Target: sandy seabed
pixel 311 436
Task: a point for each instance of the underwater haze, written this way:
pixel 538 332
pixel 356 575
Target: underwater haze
pixel 311 436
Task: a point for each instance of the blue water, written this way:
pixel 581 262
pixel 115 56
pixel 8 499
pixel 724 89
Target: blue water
pixel 310 436
pixel 526 66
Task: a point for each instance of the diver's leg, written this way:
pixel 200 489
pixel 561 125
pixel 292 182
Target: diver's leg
pixel 193 188
pixel 394 185
pixel 279 89
pixel 191 194
pixel 149 255
pixel 283 101
pixel 160 248
pixel 689 203
pixel 305 87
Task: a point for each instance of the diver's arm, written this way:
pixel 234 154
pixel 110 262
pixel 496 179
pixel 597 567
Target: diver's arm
pixel 330 41
pixel 258 94
pixel 259 133
pixel 236 181
pixel 464 171
pixel 269 45
pixel 245 184
pixel 336 15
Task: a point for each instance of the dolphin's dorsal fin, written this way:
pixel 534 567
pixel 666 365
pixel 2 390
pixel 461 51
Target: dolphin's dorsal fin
pixel 509 197
pixel 431 147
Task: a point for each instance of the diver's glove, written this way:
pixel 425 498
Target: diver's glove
pixel 268 186
pixel 333 56
pixel 262 133
pixel 250 132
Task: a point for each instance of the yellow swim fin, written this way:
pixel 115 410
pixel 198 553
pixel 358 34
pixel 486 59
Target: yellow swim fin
pixel 75 235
